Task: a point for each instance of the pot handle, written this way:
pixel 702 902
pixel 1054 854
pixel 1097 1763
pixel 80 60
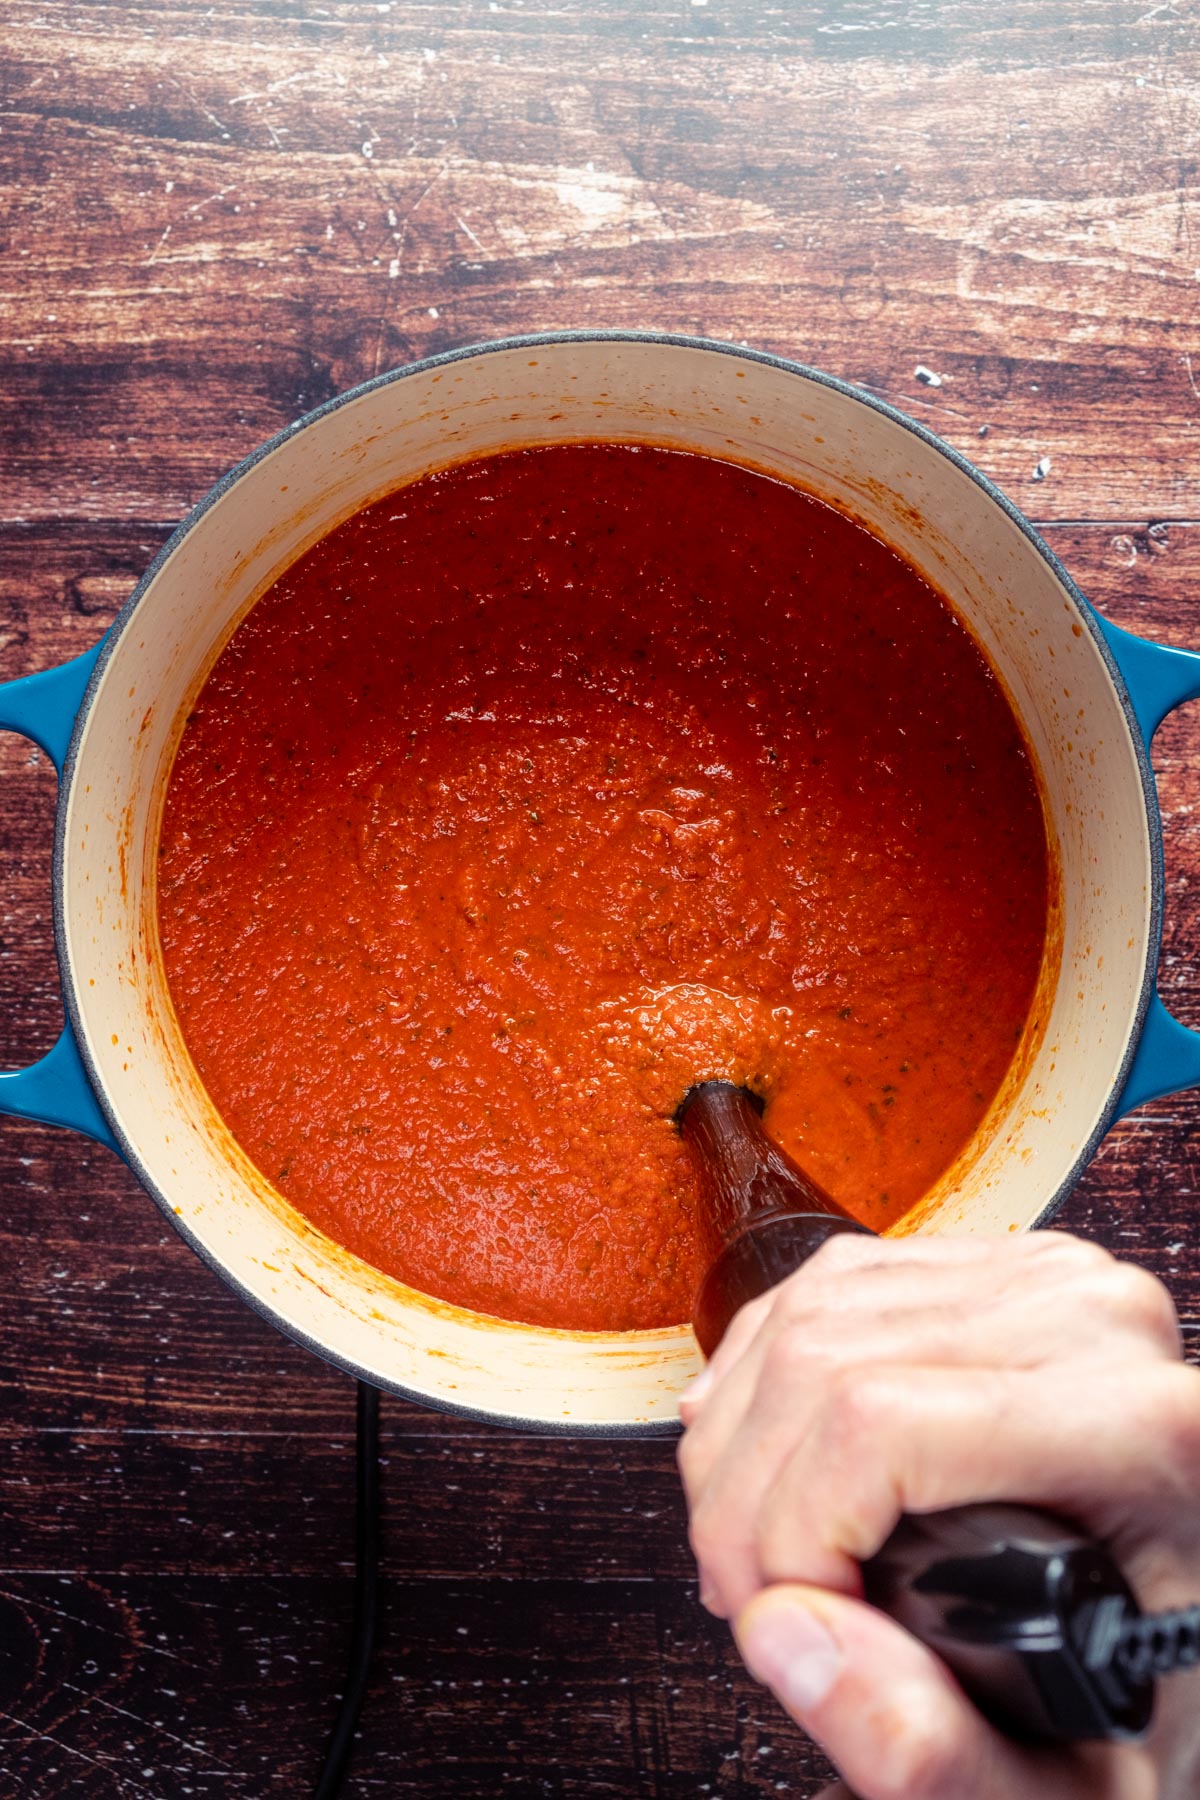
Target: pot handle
pixel 1159 679
pixel 56 1090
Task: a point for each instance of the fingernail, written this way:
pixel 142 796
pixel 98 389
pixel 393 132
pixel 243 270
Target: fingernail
pixel 710 1600
pixel 793 1654
pixel 695 1391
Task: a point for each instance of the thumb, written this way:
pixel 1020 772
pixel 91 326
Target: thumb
pixel 888 1713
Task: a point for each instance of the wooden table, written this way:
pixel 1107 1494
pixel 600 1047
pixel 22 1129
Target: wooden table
pixel 217 217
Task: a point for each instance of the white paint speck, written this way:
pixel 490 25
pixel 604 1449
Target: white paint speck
pixel 1042 469
pixel 433 312
pixel 394 268
pixel 927 376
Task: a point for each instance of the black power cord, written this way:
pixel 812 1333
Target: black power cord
pixel 1159 1643
pixel 1111 1635
pixel 1137 1647
pixel 366 1596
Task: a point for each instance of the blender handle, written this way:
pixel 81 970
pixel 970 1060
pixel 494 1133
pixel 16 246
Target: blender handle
pixel 1010 1598
pixel 1005 1595
pixel 56 1089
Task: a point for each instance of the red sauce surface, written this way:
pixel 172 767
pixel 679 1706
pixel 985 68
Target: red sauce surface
pixel 551 784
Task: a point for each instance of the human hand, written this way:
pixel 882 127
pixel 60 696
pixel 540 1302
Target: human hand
pixel 893 1376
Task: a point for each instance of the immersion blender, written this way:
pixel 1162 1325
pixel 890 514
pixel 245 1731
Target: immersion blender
pixel 1035 1621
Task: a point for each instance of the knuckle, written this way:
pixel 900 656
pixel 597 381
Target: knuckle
pixel 1175 1413
pixel 862 1397
pixel 1059 1251
pixel 741 1333
pixel 800 1300
pixel 788 1355
pixel 789 1544
pixel 1139 1298
pixel 792 1299
pixel 842 1253
pixel 858 1404
pixel 926 1761
pixel 690 1456
pixel 706 1533
pixel 1111 1289
pixel 750 1319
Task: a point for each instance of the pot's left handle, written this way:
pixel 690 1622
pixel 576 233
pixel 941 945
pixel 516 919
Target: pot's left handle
pixel 1159 679
pixel 56 1090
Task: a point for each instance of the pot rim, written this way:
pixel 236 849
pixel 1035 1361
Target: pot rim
pixel 534 340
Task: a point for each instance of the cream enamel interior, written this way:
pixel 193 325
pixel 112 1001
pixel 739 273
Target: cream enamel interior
pixel 697 398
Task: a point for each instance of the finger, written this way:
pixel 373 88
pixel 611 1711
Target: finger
pixel 738 1443
pixel 816 1281
pixel 1069 1300
pixel 847 1254
pixel 853 1273
pixel 836 1318
pixel 887 1712
pixel 881 1320
pixel 1108 1453
pixel 1065 1300
pixel 742 1331
pixel 736 1447
pixel 999 1298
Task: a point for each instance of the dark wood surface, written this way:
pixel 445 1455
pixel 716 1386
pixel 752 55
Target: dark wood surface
pixel 218 215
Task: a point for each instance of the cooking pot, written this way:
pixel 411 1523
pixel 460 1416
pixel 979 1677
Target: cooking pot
pixel 1088 695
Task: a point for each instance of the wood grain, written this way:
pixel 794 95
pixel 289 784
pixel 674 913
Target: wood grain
pixel 609 1688
pixel 1005 200
pixel 216 217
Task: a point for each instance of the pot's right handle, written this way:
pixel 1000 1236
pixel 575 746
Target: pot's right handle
pixel 1159 679
pixel 56 1090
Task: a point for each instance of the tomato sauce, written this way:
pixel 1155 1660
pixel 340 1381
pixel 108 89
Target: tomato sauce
pixel 551 784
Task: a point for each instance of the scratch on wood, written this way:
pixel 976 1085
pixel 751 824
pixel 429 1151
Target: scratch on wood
pixel 275 87
pixel 154 1725
pixel 467 232
pixel 200 106
pixel 189 212
pixel 94 1762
